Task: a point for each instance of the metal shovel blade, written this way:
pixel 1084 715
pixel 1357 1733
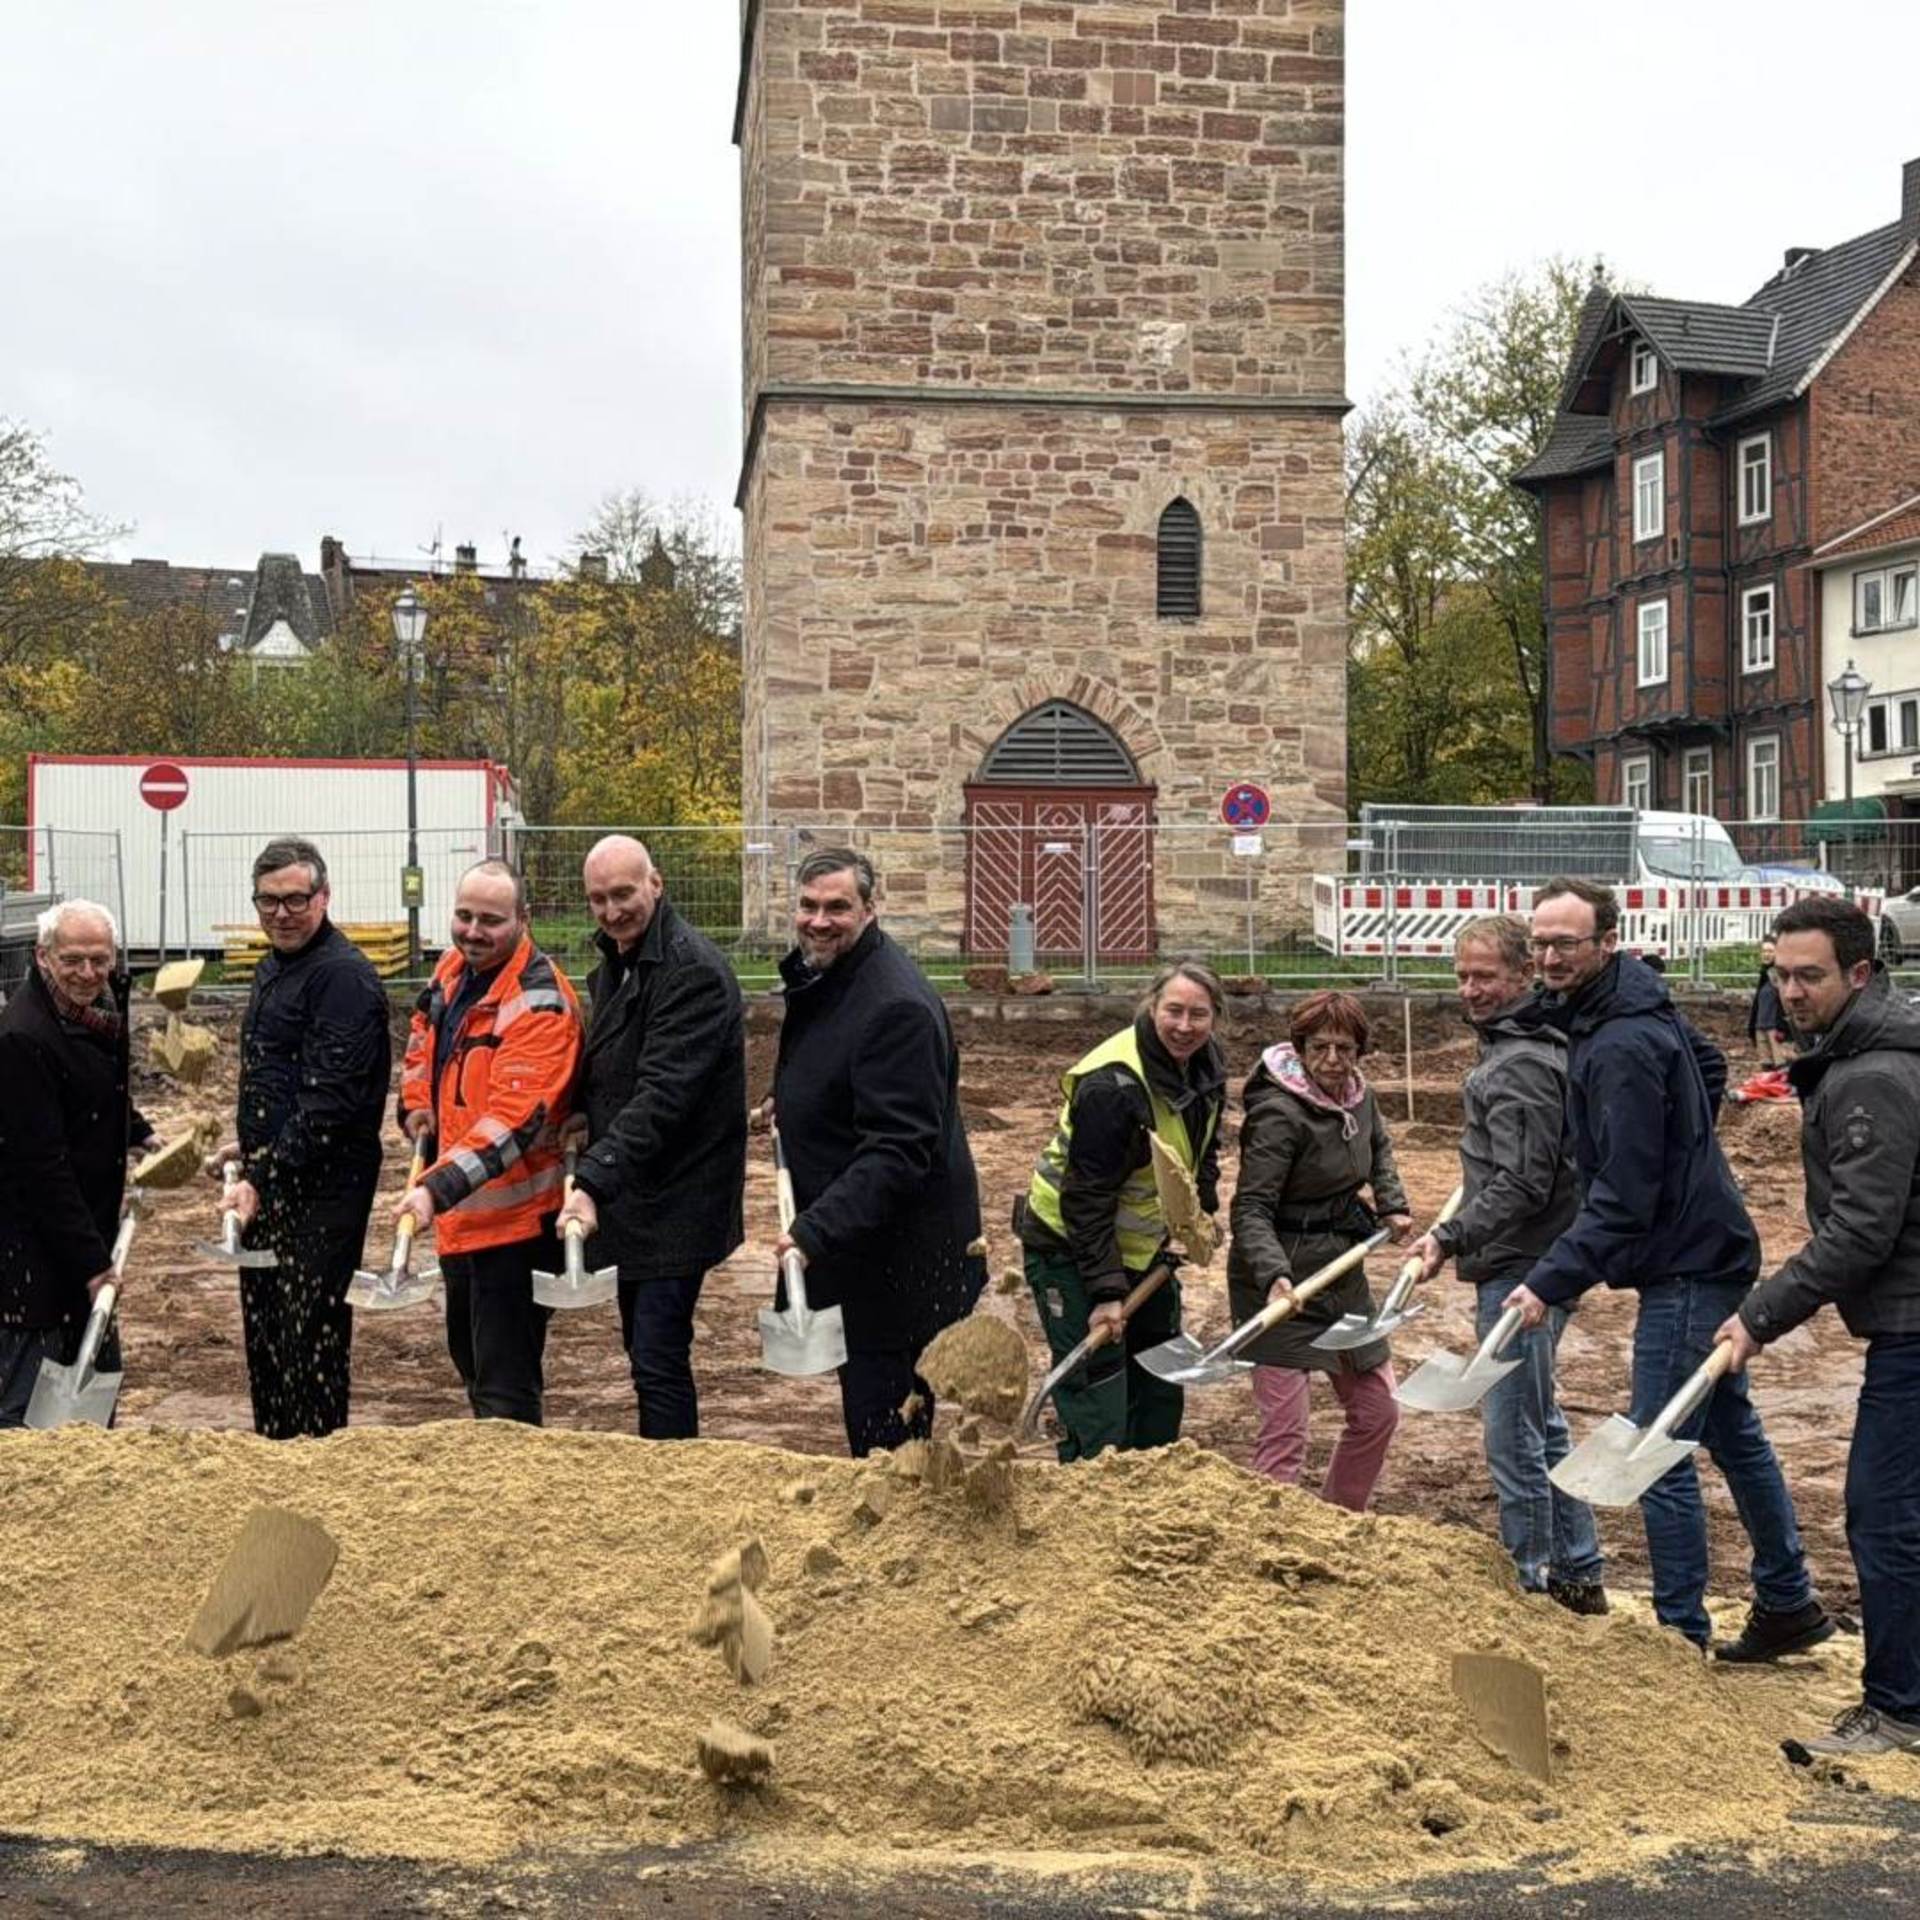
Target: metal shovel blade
pixel 1357 1329
pixel 234 1256
pixel 589 1287
pixel 73 1393
pixel 799 1339
pixel 1617 1462
pixel 1447 1384
pixel 388 1291
pixel 63 1396
pixel 1184 1361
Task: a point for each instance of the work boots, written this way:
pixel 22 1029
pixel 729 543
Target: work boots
pixel 1772 1636
pixel 1577 1596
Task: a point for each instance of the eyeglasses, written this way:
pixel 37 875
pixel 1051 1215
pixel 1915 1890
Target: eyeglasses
pixel 282 902
pixel 1565 944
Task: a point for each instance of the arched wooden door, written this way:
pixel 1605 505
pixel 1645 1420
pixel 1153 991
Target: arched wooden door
pixel 1059 819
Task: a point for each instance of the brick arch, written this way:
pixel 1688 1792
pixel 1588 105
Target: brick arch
pixel 1007 703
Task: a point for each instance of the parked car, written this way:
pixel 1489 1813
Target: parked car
pixel 1900 927
pixel 1807 879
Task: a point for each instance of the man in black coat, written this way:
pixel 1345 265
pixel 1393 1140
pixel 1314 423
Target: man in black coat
pixel 316 1052
pixel 1859 1088
pixel 664 1104
pixel 67 1124
pixel 867 1099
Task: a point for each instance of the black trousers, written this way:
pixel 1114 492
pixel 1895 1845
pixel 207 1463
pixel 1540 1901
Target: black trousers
pixel 299 1328
pixel 496 1332
pixel 656 1328
pixel 874 1386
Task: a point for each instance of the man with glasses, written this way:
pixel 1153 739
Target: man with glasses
pixel 1660 1213
pixel 67 1125
pixel 1859 1088
pixel 315 1058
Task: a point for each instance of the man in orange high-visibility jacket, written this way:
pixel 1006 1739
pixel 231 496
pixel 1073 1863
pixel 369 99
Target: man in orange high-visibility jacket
pixel 490 1070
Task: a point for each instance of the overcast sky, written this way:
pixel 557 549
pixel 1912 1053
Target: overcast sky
pixel 271 270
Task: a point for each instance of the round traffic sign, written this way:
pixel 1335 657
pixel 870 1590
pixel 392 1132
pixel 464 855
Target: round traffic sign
pixel 164 786
pixel 1246 808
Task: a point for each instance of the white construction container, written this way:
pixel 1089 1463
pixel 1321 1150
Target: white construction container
pixel 354 811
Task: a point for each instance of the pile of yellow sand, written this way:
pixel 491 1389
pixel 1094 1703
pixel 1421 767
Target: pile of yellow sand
pixel 1152 1658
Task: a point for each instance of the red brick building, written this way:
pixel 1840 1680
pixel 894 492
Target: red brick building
pixel 1700 455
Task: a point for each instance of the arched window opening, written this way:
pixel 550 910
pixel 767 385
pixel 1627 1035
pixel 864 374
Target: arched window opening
pixel 1059 745
pixel 1178 596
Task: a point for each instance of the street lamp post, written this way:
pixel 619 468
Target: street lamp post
pixel 409 632
pixel 1848 691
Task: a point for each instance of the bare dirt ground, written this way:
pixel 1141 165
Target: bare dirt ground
pixel 185 1366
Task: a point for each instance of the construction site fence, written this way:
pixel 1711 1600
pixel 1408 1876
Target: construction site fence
pixel 41 864
pixel 1093 899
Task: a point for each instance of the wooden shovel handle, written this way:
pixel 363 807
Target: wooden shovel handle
pixel 1149 1283
pixel 1318 1281
pixel 1409 1275
pixel 783 1182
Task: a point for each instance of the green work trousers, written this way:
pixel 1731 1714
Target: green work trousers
pixel 1108 1402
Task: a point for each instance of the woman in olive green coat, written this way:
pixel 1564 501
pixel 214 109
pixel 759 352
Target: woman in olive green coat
pixel 1311 1142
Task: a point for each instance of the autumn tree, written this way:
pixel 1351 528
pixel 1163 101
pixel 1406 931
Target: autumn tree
pixel 1444 555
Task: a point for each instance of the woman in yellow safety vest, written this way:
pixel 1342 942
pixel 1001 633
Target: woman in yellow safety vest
pixel 1091 1225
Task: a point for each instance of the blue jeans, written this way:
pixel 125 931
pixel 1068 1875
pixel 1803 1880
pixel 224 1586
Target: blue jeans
pixel 1883 1522
pixel 656 1324
pixel 1672 1336
pixel 1546 1531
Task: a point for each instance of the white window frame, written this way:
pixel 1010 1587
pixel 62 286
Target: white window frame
pixel 1757 629
pixel 1644 373
pixel 1888 583
pixel 1696 770
pixel 1636 772
pixel 1650 494
pixel 1653 652
pixel 1763 777
pixel 1899 718
pixel 1756 480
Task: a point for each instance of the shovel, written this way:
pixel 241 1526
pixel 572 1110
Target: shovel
pixel 399 1286
pixel 1616 1463
pixel 1102 1335
pixel 228 1248
pixel 1356 1329
pixel 64 1396
pixel 577 1284
pixel 1185 1361
pixel 1444 1383
pixel 798 1341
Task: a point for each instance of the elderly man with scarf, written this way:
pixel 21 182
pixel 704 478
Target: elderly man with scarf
pixel 67 1125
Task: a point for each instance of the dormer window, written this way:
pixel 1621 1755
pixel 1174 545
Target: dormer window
pixel 1646 369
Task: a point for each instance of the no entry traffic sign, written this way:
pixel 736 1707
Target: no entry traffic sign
pixel 163 786
pixel 1246 807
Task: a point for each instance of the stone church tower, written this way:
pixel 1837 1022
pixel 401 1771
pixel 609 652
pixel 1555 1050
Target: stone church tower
pixel 1042 486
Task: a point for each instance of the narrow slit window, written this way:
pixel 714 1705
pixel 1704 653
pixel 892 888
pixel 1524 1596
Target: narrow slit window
pixel 1179 557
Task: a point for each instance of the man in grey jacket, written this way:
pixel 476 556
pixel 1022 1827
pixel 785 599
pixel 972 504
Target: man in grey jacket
pixel 1859 1088
pixel 1521 1193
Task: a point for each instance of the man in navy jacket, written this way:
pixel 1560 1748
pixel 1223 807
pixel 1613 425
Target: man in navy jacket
pixel 1660 1213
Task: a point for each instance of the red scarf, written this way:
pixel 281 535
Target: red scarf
pixel 99 1016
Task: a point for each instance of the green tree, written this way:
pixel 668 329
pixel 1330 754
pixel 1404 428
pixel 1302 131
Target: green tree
pixel 1487 395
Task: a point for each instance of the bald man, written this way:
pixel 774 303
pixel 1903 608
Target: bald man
pixel 664 1095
